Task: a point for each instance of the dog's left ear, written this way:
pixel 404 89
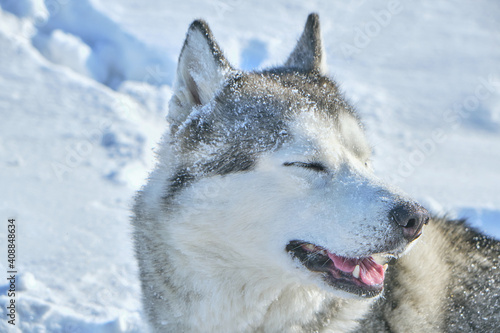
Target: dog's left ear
pixel 201 70
pixel 309 55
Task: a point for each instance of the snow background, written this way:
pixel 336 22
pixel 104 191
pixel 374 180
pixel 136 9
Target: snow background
pixel 84 87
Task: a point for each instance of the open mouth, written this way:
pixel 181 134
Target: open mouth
pixel 361 276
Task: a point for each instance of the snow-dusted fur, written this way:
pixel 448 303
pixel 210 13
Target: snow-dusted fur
pixel 254 161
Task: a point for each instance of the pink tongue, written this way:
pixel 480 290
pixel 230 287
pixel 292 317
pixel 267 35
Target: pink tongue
pixel 370 273
pixel 344 264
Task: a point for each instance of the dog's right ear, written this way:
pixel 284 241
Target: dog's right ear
pixel 309 54
pixel 201 70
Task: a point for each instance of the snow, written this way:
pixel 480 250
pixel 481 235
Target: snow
pixel 84 87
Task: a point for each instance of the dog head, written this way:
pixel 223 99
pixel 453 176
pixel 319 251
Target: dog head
pixel 271 171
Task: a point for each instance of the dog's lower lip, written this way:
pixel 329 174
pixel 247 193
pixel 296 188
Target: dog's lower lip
pixel 362 276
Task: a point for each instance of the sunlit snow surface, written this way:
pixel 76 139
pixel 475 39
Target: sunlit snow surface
pixel 84 87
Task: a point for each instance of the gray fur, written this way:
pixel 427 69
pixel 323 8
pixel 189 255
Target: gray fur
pixel 309 55
pixel 229 180
pixel 467 277
pixel 197 89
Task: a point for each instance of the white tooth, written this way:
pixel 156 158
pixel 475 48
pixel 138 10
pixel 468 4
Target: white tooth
pixel 355 272
pixel 323 252
pixel 385 267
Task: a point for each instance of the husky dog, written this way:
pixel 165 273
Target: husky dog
pixel 264 215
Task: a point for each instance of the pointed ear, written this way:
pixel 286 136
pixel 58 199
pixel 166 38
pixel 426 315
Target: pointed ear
pixel 309 55
pixel 201 70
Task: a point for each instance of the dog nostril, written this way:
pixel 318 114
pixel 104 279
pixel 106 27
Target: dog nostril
pixel 411 217
pixel 411 223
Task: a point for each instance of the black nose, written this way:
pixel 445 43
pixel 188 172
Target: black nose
pixel 412 217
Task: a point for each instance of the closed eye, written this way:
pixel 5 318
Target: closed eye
pixel 315 166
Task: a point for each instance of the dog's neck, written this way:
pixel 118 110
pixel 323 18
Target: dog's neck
pixel 258 306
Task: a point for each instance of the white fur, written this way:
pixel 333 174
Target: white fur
pixel 423 305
